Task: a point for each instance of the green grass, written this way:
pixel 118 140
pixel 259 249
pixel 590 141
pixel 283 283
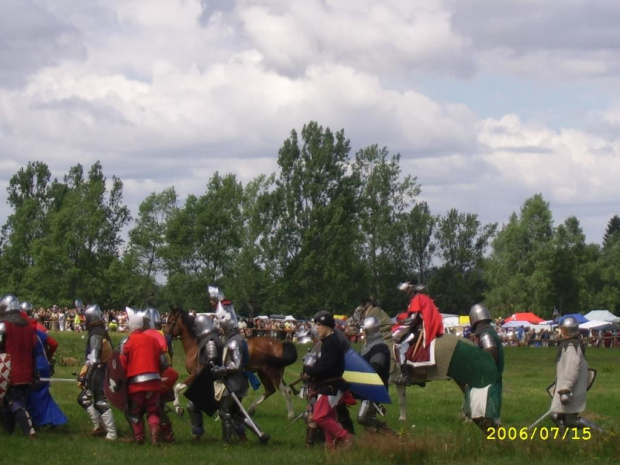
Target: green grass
pixel 434 432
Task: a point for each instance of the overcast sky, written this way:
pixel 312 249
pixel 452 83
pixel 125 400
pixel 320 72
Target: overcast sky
pixel 488 102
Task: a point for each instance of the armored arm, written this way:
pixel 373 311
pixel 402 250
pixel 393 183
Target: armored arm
pixel 234 358
pixel 93 360
pixel 487 343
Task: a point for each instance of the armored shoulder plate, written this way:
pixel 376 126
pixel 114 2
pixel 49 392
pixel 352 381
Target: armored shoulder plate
pixel 211 350
pixel 234 344
pixel 486 341
pixel 2 331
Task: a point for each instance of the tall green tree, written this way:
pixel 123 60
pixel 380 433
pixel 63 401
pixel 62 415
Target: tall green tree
pixel 461 243
pixel 203 239
pixel 519 271
pixel 314 244
pixel 420 247
pixel 29 195
pixel 384 198
pixel 612 232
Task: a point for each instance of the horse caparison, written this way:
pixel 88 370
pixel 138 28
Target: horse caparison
pixel 268 358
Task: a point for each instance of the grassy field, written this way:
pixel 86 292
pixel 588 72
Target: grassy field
pixel 434 432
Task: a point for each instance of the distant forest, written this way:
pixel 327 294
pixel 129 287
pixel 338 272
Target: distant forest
pixel 327 230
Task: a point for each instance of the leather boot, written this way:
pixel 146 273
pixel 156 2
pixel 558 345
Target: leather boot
pixel 311 433
pixel 155 431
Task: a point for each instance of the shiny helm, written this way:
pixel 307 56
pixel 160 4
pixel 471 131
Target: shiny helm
pixel 153 316
pixel 93 315
pixel 136 319
pixel 203 325
pixel 409 286
pixel 226 316
pixel 370 326
pixel 9 304
pixel 478 313
pixel 569 327
pixel 26 307
pixel 78 305
pixel 215 293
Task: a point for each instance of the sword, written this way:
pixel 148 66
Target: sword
pixel 378 409
pixel 63 380
pixel 540 419
pixel 262 437
pixel 296 419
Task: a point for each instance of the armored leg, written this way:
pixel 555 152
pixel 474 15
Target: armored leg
pixel 195 417
pixel 107 418
pixel 165 425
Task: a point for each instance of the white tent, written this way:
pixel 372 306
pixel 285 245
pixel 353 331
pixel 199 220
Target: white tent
pixel 594 324
pixel 450 320
pixel 602 315
pixel 289 318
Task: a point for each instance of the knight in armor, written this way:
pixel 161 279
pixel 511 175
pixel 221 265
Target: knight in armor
pixel 210 349
pixel 324 370
pixel 92 376
pixel 168 377
pixel 487 410
pixel 144 360
pixel 377 353
pixel 416 330
pixel 17 340
pixel 234 359
pixel 571 384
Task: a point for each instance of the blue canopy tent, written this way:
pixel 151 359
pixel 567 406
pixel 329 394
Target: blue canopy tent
pixel 577 316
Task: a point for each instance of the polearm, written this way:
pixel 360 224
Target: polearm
pixel 262 437
pixel 540 419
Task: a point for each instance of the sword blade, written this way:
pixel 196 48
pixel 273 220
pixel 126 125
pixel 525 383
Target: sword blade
pixel 540 419
pixel 62 380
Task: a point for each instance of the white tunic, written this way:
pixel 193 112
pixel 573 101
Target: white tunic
pixel 572 374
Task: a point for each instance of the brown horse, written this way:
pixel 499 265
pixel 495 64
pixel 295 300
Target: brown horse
pixel 268 358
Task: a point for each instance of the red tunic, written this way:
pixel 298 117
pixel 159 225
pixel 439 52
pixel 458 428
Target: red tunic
pixel 19 343
pixel 141 355
pixel 431 318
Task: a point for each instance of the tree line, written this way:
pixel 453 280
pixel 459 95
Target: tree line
pixel 328 229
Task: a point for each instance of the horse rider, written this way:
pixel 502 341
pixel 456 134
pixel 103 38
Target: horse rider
pixel 421 324
pixel 234 359
pixel 169 375
pixel 325 370
pixel 210 350
pixel 144 360
pixel 92 376
pixel 17 340
pixel 488 409
pixel 377 353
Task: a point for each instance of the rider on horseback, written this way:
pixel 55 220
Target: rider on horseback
pixel 419 326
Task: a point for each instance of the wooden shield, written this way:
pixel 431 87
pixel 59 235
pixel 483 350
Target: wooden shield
pixel 201 392
pixel 5 373
pixel 115 385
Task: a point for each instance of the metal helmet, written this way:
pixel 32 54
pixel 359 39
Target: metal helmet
pixel 215 293
pixel 477 314
pixel 26 307
pixel 226 316
pixel 203 325
pixel 78 305
pixel 371 326
pixel 569 327
pixel 408 286
pixel 154 318
pixel 93 315
pixel 9 304
pixel 135 319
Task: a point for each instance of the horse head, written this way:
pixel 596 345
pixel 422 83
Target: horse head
pixel 176 325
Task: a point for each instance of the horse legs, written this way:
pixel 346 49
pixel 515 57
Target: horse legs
pixel 402 401
pixel 287 392
pixel 177 403
pixel 270 388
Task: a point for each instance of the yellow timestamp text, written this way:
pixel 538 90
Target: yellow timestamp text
pixel 542 433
